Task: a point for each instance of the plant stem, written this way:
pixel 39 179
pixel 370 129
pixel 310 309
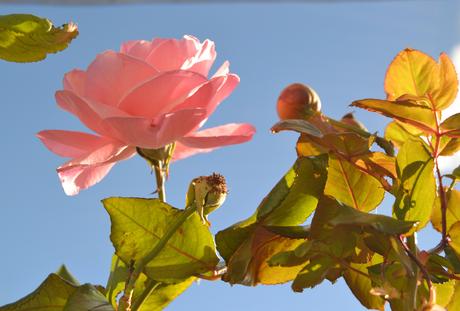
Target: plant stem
pixel 149 288
pixel 140 265
pixel 160 178
pixel 442 196
pixel 411 250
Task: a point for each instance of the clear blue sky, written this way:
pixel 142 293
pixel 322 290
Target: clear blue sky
pixel 342 50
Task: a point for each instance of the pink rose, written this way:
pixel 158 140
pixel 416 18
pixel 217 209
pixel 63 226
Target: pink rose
pixel 148 95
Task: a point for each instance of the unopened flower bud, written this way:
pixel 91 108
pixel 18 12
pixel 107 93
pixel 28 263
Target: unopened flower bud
pixel 297 101
pixel 208 193
pixel 153 156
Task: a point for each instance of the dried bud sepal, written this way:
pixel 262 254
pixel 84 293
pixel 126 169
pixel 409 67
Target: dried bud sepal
pixel 208 193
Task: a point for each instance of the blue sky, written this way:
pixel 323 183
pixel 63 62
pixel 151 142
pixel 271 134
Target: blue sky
pixel 342 50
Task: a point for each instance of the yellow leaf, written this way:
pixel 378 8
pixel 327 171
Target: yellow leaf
pixel 415 73
pixel 411 72
pixel 406 111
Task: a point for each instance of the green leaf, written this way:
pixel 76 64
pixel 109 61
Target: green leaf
pixel 296 257
pixel 295 196
pixel 293 232
pixel 138 225
pixel 297 125
pixel 348 143
pixel 348 216
pixel 416 194
pixel 51 295
pixel 313 273
pixel 456 172
pixel 64 273
pixel 306 147
pixel 398 133
pixel 454 242
pixel 361 285
pixel 444 293
pixel 117 278
pixel 162 295
pixel 248 245
pixel 351 186
pixel 452 212
pixel 28 38
pixel 452 259
pixel 87 298
pixel 449 146
pixel 454 303
pixel 451 126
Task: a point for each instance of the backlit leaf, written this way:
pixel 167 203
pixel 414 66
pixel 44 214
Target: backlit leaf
pixel 162 295
pixel 411 72
pixel 361 285
pixel 347 216
pixel 451 126
pixel 300 126
pixel 248 245
pixel 444 292
pixel 138 224
pixel 454 242
pixel 398 133
pixel 351 186
pixel 313 273
pixel 64 273
pixel 87 298
pixel 449 146
pixel 406 111
pixel 378 164
pixel 416 73
pixel 454 303
pixel 306 147
pixel 452 212
pixel 447 90
pixel 28 38
pixel 51 295
pixel 416 194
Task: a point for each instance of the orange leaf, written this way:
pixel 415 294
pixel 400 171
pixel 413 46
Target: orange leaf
pixel 448 86
pixel 418 74
pixel 407 111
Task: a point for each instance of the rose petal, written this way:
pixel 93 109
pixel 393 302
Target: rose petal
pixel 181 151
pixel 144 133
pixel 76 178
pixel 203 95
pixel 228 134
pixel 70 144
pixel 161 93
pixel 111 75
pixel 89 169
pixel 138 48
pixel 212 138
pixel 171 54
pixel 75 81
pixel 231 82
pixel 203 60
pixel 223 70
pixel 90 113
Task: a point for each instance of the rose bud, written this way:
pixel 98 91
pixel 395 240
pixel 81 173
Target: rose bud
pixel 208 193
pixel 297 101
